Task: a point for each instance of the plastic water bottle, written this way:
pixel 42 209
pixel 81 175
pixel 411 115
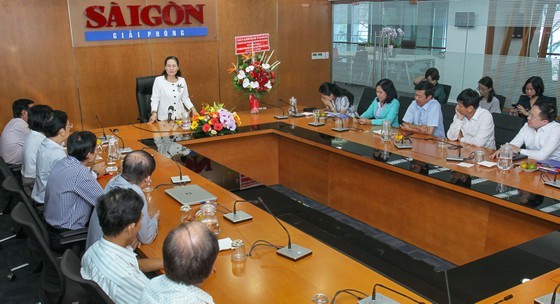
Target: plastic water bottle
pixel 293 106
pixel 112 154
pixel 505 160
pixel 385 130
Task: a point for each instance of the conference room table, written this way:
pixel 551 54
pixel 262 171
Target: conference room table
pixel 408 193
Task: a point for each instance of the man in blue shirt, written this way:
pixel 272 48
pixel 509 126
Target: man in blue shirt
pixel 137 168
pixel 424 113
pixel 72 189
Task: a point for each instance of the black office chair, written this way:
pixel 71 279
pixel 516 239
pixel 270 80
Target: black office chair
pixel 448 112
pixel 366 100
pixel 447 90
pixel 506 127
pixel 53 286
pixel 144 87
pixel 70 265
pixel 74 236
pixel 404 102
pixel 502 100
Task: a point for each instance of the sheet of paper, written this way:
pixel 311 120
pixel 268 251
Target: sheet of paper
pixel 466 165
pixel 225 244
pixel 488 164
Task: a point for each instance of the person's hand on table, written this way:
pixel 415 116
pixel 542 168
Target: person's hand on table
pixel 155 215
pixel 364 121
pixel 153 117
pixel 99 168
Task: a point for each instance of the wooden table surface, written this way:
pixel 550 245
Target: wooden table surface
pixel 274 279
pixel 265 277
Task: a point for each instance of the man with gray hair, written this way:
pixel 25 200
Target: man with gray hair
pixel 137 168
pixel 189 253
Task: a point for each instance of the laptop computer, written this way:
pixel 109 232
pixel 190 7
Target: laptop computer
pixel 190 195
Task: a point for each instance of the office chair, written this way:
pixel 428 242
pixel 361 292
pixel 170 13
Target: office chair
pixel 502 100
pixel 144 87
pixel 448 112
pixel 80 235
pixel 404 102
pixel 506 127
pixel 366 100
pixel 70 265
pixel 447 90
pixel 53 283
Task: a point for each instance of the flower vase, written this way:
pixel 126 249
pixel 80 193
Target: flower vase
pixel 253 104
pixel 390 51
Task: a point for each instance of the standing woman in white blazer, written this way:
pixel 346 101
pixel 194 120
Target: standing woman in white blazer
pixel 170 95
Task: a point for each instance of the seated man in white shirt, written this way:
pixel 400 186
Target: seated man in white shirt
pixel 472 124
pixel 189 253
pixel 37 116
pixel 57 129
pixel 14 133
pixel 540 135
pixel 110 262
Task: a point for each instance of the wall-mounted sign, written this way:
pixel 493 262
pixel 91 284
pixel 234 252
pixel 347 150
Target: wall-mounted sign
pixel 252 43
pixel 97 22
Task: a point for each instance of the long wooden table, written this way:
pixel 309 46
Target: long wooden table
pixel 458 224
pixel 265 277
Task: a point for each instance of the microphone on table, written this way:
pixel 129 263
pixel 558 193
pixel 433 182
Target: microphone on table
pixel 341 128
pixel 122 150
pixel 295 113
pixel 283 116
pixel 548 298
pixel 292 251
pixel 506 298
pixel 238 216
pixel 178 179
pixel 170 111
pixel 380 298
pixel 104 138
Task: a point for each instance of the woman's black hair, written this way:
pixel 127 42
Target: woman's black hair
pixel 327 88
pixel 489 83
pixel 389 88
pixel 537 83
pixel 164 73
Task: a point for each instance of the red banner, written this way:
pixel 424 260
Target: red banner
pixel 252 44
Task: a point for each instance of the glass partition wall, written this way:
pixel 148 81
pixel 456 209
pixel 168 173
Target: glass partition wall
pixel 465 40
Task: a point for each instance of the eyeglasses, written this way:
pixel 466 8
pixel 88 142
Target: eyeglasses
pixel 481 89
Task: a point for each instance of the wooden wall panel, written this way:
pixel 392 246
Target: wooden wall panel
pixel 40 63
pixel 37 60
pixel 237 18
pixel 304 27
pixel 107 82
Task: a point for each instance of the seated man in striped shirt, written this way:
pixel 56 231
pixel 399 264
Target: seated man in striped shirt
pixel 72 189
pixel 110 261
